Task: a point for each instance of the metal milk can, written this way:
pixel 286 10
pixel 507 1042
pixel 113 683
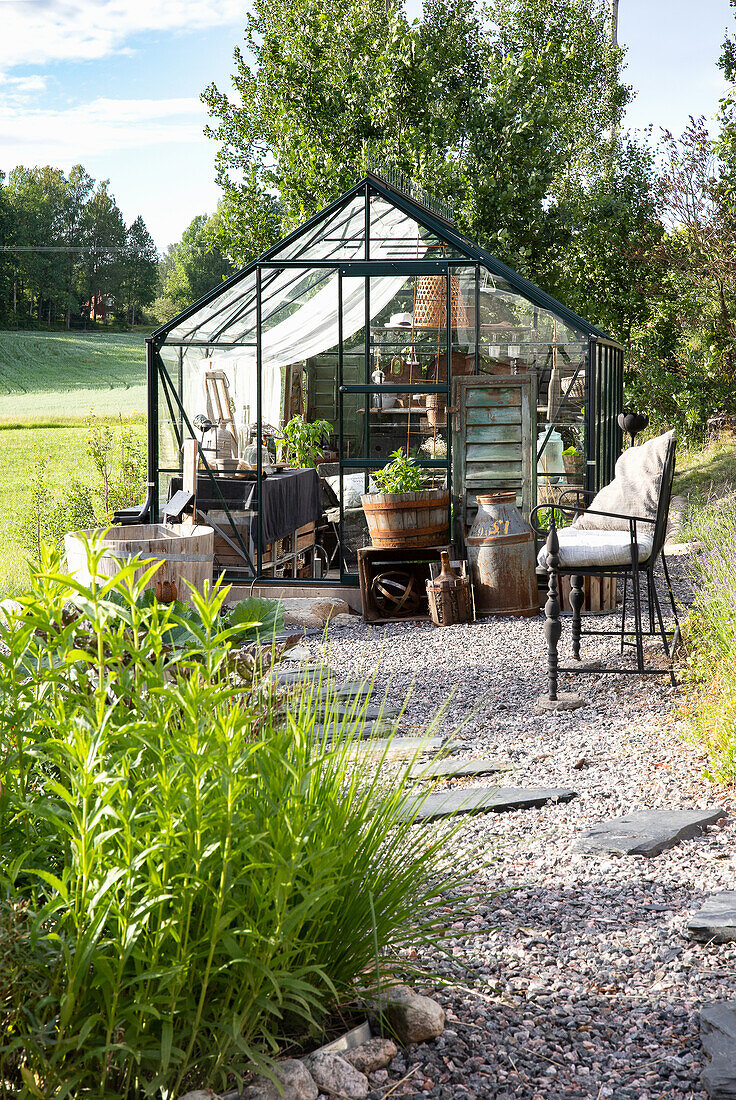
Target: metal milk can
pixel 502 559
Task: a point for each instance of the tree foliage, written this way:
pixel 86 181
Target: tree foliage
pixel 191 267
pixel 73 247
pixel 496 109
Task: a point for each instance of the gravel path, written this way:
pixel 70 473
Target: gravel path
pixel 576 981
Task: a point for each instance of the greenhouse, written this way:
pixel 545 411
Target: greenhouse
pixel 375 326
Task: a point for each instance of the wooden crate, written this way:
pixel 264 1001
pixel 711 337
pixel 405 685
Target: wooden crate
pixel 600 594
pixel 374 560
pixel 226 554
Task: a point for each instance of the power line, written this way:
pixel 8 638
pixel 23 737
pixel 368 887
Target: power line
pixel 62 248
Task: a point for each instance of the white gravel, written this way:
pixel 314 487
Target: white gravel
pixel 577 980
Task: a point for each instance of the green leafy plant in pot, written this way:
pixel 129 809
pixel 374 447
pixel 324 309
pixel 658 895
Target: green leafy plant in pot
pixel 401 513
pixel 301 443
pixel 574 463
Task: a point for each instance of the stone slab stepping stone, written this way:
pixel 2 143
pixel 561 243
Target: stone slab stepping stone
pixel 453 767
pixel 715 921
pixel 297 653
pixel 371 711
pixel 473 800
pixel 310 674
pixel 647 832
pixel 718 1036
pixel 329 688
pixel 369 729
pixel 397 747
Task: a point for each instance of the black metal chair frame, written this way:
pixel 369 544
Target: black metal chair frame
pixel 631 570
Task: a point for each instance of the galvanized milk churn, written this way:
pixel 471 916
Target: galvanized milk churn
pixel 501 551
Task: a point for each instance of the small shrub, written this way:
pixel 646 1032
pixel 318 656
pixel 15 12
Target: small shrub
pixel 710 632
pixel 201 870
pixel 119 457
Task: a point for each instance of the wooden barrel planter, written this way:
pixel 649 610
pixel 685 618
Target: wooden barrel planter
pixel 186 553
pixel 403 520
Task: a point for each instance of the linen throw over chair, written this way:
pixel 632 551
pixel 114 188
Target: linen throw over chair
pixel 620 534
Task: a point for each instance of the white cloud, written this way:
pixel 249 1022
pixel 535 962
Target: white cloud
pixel 101 126
pixel 22 85
pixel 38 31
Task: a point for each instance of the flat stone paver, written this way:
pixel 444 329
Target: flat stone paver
pixel 715 921
pixel 370 712
pixel 368 729
pixel 647 832
pixel 718 1036
pixel 309 675
pixel 330 689
pixel 395 747
pixel 452 768
pixel 471 800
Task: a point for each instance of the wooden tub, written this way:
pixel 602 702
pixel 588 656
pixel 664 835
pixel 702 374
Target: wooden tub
pixel 186 553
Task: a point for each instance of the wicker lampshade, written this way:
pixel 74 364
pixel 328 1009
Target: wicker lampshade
pixel 430 303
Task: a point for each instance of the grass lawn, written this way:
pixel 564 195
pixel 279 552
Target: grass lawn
pixel 706 473
pixel 49 384
pixel 52 376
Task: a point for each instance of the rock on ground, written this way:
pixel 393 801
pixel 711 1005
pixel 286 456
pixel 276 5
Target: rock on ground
pixel 374 1055
pixel 296 1081
pixel 412 1017
pixel 335 1076
pixel 718 1032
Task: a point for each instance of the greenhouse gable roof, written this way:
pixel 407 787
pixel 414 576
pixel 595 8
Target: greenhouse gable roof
pixel 334 217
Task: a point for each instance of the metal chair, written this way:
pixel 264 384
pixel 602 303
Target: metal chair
pixel 632 554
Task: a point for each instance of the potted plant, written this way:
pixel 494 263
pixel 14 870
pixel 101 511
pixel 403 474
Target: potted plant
pixel 402 513
pixel 573 462
pixel 301 444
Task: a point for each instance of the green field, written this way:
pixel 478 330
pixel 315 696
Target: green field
pixel 57 376
pixel 49 384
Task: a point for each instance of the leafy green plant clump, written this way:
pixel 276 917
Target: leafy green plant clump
pixel 191 870
pixel 401 475
pixel 302 443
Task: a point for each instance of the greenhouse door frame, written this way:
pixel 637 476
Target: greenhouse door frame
pixel 367 270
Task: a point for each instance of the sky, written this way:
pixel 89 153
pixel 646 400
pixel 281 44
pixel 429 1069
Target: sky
pixel 115 85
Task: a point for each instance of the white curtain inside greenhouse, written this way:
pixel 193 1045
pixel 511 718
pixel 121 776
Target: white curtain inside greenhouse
pixel 311 329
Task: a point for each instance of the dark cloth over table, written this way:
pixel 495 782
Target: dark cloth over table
pixel 288 500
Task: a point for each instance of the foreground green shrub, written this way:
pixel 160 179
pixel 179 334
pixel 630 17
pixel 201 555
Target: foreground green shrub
pixel 710 632
pixel 190 870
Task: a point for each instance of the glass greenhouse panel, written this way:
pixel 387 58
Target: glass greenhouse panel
pixel 398 236
pixel 339 235
pixel 228 316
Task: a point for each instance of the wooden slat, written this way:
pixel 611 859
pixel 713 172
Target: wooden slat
pixel 502 395
pixel 489 415
pixel 492 453
pixel 493 433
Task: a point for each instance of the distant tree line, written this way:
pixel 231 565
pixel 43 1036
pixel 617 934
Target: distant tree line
pixel 67 255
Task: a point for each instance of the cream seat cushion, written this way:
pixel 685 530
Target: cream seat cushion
pixel 597 549
pixel 634 490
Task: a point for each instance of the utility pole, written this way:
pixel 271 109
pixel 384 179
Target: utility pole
pixel 614 45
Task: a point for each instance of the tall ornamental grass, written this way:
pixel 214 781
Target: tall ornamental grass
pixel 711 636
pixel 190 870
